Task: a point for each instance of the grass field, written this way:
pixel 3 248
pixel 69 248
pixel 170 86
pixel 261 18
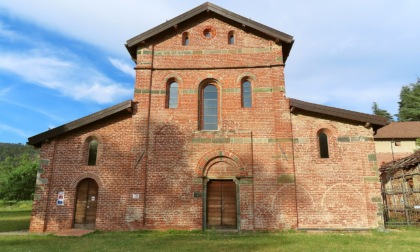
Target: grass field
pixel 15 217
pixel 400 240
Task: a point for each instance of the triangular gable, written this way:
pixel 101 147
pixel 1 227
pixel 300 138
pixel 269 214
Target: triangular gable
pixel 278 36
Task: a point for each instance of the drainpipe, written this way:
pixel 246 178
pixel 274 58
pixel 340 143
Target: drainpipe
pixel 253 181
pixel 294 166
pixel 148 138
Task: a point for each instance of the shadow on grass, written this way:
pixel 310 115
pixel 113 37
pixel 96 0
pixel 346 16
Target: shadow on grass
pixel 14 220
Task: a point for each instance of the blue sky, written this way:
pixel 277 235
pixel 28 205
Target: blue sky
pixel 61 60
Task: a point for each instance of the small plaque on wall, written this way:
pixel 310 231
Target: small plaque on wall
pixel 198 194
pixel 136 196
pixel 60 199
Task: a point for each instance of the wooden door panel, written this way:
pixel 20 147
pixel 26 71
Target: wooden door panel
pixel 214 213
pixel 86 204
pixel 221 204
pixel 91 203
pixel 81 203
pixel 229 205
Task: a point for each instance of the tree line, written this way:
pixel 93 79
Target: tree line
pixel 408 106
pixel 18 169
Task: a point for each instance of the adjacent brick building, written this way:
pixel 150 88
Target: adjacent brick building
pixel 210 141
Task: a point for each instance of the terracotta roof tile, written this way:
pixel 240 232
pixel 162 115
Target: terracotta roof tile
pixel 401 130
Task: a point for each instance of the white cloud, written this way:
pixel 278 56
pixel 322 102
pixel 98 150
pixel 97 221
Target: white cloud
pixel 123 67
pixel 7 128
pixel 72 79
pixel 377 35
pixel 31 108
pixel 106 24
pixel 4 91
pixel 7 34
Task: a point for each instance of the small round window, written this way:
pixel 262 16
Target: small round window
pixel 209 33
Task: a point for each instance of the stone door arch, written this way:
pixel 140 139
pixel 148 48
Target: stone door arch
pixel 221 173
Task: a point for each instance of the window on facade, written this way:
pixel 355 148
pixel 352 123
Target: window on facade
pixel 231 38
pixel 209 110
pixel 410 183
pixel 185 38
pixel 93 152
pixel 172 95
pixel 246 94
pixel 323 145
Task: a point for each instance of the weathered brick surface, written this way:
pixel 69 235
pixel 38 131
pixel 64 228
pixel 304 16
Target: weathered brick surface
pixel 161 154
pixel 335 192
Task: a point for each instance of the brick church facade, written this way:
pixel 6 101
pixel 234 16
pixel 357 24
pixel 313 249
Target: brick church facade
pixel 210 140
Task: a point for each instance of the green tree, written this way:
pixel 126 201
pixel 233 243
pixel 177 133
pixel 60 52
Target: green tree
pixel 381 112
pixel 409 105
pixel 19 184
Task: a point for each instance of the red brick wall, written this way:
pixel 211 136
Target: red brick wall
pixel 340 191
pixel 162 155
pixel 64 165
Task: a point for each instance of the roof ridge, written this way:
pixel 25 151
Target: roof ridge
pixel 132 43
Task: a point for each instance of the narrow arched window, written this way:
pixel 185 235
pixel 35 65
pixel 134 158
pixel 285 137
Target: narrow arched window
pixel 246 94
pixel 185 38
pixel 93 152
pixel 323 145
pixel 172 95
pixel 231 38
pixel 209 110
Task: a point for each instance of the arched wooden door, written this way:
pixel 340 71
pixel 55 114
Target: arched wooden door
pixel 86 204
pixel 221 204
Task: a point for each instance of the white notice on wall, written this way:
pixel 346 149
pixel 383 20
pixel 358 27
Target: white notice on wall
pixel 416 207
pixel 60 199
pixel 136 196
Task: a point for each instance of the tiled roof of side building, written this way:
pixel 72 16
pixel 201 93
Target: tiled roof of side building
pixel 378 121
pixel 401 130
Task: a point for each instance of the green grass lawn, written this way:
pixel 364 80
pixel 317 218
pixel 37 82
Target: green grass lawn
pixel 16 216
pixel 395 240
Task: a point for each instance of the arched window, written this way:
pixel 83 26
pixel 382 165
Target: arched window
pixel 185 38
pixel 209 109
pixel 93 152
pixel 246 94
pixel 172 95
pixel 231 38
pixel 323 145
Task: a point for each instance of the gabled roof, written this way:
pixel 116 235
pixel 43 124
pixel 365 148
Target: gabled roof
pixel 338 113
pixel 404 163
pixel 123 106
pixel 402 130
pixel 209 7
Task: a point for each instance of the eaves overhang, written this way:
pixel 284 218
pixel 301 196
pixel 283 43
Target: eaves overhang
pixel 37 140
pixel 373 120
